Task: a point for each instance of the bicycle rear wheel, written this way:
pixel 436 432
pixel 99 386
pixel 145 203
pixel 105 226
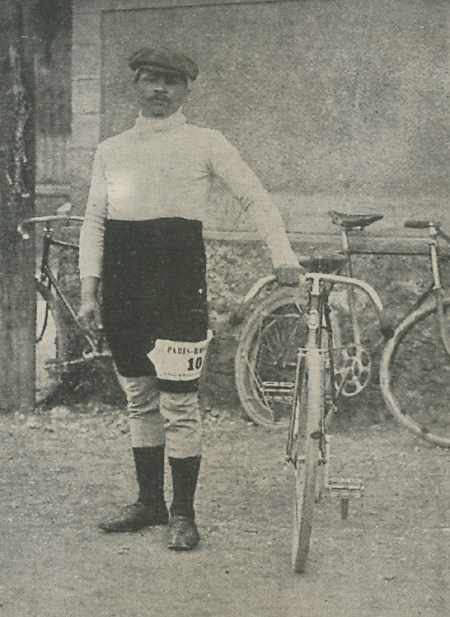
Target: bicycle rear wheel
pixel 52 343
pixel 309 410
pixel 415 376
pixel 266 357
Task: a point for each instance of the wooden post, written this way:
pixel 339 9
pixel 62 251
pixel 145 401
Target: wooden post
pixel 17 181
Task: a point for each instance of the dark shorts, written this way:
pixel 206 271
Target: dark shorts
pixel 154 287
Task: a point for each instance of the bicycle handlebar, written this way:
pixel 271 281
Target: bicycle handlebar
pixel 433 226
pixel 346 280
pixel 386 326
pixel 44 219
pixel 425 224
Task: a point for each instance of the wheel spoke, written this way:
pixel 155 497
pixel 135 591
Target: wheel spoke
pixel 266 358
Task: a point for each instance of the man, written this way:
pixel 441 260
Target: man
pixel 142 237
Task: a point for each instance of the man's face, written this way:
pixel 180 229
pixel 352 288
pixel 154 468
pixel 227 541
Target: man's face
pixel 160 94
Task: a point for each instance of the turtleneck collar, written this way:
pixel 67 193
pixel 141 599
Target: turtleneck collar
pixel 148 125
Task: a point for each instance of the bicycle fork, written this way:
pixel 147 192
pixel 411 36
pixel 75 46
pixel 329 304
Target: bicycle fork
pixel 312 362
pixel 437 288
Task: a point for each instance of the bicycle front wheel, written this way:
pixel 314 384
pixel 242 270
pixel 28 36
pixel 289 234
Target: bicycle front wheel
pixel 52 343
pixel 266 357
pixel 309 412
pixel 415 375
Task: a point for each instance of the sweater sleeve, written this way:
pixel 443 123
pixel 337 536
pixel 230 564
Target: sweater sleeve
pixel 93 228
pixel 228 165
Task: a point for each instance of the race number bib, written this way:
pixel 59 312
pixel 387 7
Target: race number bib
pixel 179 361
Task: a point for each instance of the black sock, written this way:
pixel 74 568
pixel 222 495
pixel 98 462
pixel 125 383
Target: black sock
pixel 149 463
pixel 184 479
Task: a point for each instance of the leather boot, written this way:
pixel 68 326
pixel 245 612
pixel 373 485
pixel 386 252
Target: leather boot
pixel 150 507
pixel 183 532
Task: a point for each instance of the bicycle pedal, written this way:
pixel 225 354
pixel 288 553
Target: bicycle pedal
pixel 94 355
pixel 346 485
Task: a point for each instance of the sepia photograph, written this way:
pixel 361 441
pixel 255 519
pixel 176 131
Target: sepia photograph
pixel 224 308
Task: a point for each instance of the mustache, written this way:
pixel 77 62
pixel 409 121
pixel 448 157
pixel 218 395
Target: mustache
pixel 159 97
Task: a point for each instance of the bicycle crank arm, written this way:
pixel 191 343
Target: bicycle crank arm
pixel 92 355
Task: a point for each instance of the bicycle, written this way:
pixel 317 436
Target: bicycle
pixel 62 343
pixel 314 400
pixel 413 369
pixel 415 363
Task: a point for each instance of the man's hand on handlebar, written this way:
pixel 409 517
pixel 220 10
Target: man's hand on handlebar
pixel 289 275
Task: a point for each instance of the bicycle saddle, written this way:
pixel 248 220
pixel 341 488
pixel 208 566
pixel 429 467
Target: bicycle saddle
pixel 353 221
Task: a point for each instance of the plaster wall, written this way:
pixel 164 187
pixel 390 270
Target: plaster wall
pixel 334 103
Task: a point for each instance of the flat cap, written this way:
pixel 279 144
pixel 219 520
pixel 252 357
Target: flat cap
pixel 163 60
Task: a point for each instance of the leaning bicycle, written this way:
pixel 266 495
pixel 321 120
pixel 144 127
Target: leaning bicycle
pixel 415 364
pixel 414 367
pixel 63 345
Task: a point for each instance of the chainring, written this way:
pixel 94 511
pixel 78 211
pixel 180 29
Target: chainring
pixel 352 369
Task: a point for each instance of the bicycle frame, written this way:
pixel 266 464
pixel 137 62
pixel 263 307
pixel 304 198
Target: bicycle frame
pixel 434 231
pixel 318 310
pixel 48 277
pixel 435 289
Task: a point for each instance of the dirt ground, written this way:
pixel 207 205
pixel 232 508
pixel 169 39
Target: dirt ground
pixel 63 468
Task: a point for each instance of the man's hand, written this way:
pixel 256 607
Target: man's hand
pixel 90 314
pixel 288 275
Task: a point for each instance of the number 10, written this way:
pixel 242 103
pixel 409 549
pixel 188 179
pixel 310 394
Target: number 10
pixel 197 364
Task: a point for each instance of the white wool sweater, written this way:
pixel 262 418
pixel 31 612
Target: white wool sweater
pixel 162 169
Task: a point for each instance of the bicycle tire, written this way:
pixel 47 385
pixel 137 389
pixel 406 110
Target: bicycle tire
pixel 266 357
pixel 306 450
pixel 53 348
pixel 415 375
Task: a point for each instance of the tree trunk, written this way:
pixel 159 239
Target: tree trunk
pixel 17 171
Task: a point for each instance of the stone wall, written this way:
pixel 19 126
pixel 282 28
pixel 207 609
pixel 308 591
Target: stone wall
pixel 233 267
